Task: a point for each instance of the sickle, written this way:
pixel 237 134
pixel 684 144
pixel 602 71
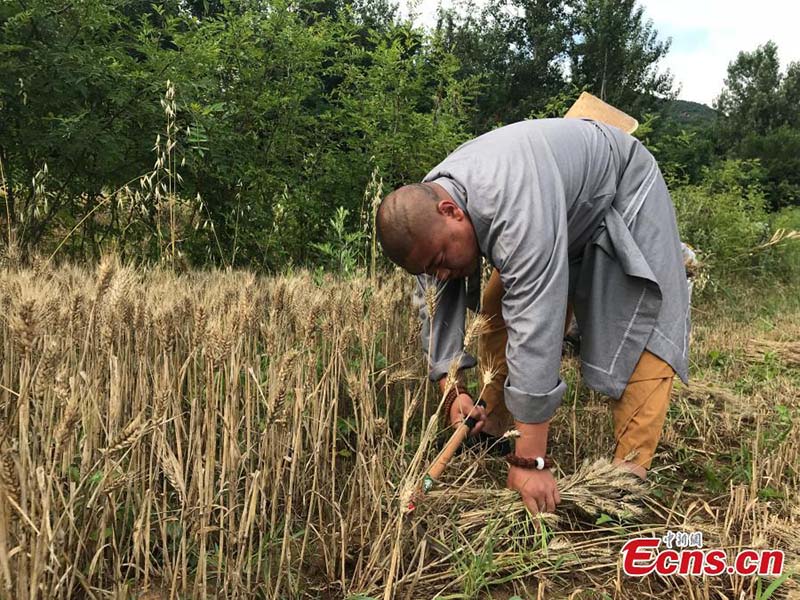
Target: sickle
pixel 440 462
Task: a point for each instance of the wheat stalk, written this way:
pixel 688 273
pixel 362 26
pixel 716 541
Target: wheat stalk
pixel 129 435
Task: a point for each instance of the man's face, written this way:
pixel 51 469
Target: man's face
pixel 451 252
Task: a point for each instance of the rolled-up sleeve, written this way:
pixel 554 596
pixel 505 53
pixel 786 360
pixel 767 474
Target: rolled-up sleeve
pixel 443 335
pixel 531 255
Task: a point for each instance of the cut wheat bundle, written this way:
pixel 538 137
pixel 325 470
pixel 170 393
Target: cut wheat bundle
pixel 595 488
pixel 787 352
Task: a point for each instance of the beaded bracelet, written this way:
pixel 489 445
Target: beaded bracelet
pixel 538 463
pixel 453 393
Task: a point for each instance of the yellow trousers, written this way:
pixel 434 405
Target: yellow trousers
pixel 639 413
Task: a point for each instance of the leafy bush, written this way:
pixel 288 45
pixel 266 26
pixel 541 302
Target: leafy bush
pixel 724 216
pixel 779 154
pixel 785 256
pixel 344 250
pixel 281 113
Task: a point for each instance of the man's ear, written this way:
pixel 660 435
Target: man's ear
pixel 448 208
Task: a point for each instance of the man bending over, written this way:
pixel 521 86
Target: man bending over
pixel 568 212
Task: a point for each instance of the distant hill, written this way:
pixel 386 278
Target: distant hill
pixel 685 113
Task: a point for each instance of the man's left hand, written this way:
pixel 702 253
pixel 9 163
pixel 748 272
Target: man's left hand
pixel 537 489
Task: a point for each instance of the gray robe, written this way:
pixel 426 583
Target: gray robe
pixel 564 208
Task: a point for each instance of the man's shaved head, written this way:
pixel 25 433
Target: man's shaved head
pixel 406 216
pixel 422 229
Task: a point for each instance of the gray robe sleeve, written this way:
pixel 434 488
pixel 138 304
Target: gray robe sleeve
pixel 443 336
pixel 530 251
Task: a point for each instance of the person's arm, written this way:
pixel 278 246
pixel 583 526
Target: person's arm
pixel 531 254
pixel 442 334
pixel 443 340
pixel 535 280
pixel 537 489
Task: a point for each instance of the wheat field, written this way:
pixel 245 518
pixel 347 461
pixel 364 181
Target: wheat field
pixel 227 435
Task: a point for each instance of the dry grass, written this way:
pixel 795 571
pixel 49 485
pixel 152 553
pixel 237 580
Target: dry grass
pixel 788 352
pixel 218 435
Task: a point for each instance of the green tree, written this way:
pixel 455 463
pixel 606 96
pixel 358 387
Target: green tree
pixel 615 55
pixel 281 113
pixel 304 116
pixel 790 94
pixel 683 139
pixel 515 49
pixel 520 50
pixel 760 119
pixel 751 101
pixel 778 151
pixel 79 90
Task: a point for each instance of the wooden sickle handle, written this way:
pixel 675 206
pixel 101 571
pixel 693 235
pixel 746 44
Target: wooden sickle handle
pixel 440 462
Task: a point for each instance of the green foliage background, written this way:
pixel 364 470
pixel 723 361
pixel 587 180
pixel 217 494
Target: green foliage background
pixel 268 120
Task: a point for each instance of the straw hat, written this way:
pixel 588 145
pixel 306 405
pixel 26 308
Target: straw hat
pixel 591 107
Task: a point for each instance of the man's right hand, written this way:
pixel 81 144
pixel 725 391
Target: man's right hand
pixel 537 488
pixel 464 407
